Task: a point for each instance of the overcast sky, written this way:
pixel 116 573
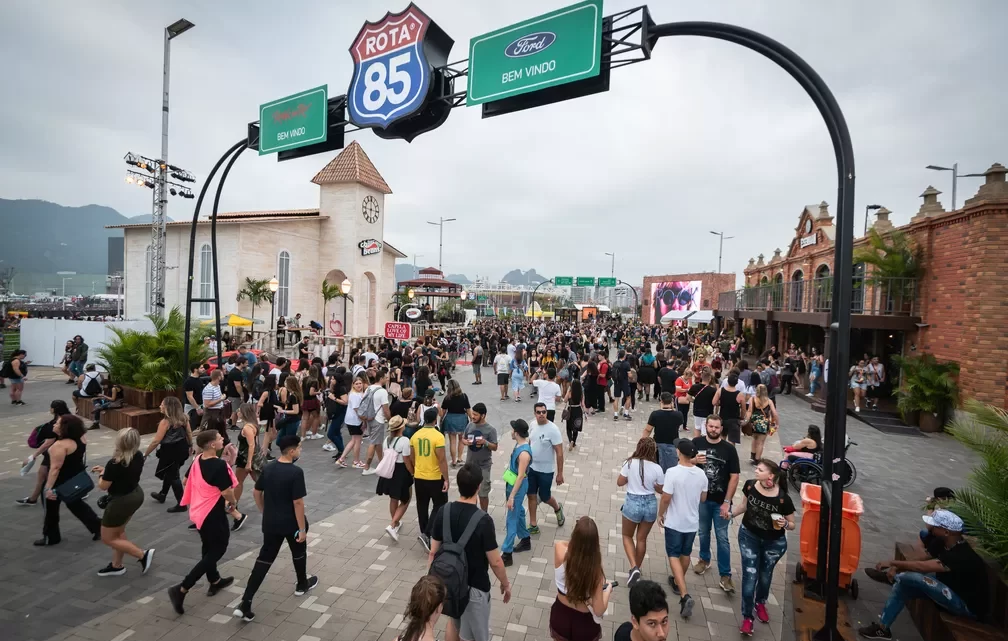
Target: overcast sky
pixel 704 136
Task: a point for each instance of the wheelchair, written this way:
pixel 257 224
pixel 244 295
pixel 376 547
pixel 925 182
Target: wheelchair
pixel 806 470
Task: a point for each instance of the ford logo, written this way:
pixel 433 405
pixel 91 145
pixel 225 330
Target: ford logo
pixel 530 44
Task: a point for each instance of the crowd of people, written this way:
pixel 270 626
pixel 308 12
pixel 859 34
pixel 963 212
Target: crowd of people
pixel 398 412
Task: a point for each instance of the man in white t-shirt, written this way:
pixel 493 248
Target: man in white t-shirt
pixel 685 487
pixel 511 349
pixel 549 392
pixel 502 365
pixel 547 459
pixel 375 433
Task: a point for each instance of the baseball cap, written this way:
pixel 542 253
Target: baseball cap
pixel 521 426
pixel 686 448
pixel 945 520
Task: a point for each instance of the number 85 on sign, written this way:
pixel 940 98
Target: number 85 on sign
pixel 391 72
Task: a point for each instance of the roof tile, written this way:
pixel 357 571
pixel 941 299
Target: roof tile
pixel 352 165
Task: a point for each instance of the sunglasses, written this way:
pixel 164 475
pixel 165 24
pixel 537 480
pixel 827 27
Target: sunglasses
pixel 540 412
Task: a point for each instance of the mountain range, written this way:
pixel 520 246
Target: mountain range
pixel 45 238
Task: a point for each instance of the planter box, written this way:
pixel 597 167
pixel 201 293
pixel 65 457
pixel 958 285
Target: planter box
pixel 147 400
pixel 143 421
pixel 931 423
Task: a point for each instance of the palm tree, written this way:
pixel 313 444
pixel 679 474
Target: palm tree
pixel 981 504
pixel 257 291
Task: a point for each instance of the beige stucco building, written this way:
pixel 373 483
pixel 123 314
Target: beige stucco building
pixel 301 247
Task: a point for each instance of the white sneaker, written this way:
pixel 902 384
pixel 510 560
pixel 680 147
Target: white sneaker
pixel 329 447
pixel 369 471
pixel 393 532
pixel 857 409
pixel 810 395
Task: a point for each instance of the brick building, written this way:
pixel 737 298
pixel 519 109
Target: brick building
pixel 956 310
pixel 705 300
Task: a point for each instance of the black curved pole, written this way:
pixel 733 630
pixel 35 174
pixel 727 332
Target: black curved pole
pixel 534 290
pixel 213 247
pixel 635 296
pixel 830 516
pixel 192 250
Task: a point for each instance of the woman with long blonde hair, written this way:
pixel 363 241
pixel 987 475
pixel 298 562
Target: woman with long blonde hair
pixel 582 590
pixel 643 478
pixel 120 477
pixel 354 424
pixel 173 441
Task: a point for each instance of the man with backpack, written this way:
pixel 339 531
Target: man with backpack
pixel 463 550
pixel 375 411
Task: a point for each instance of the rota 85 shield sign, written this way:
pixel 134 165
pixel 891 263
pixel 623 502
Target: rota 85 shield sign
pixel 391 72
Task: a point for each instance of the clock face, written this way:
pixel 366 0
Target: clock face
pixel 370 209
pixel 808 226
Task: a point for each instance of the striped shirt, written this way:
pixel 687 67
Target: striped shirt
pixel 212 393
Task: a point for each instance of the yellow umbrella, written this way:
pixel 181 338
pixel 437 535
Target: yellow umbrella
pixel 232 320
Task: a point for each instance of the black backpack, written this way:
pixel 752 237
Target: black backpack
pixel 451 566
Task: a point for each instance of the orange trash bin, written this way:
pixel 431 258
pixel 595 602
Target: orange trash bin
pixel 850 536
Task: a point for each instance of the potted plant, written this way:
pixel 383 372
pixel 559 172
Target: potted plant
pixel 149 365
pixel 928 388
pixel 983 502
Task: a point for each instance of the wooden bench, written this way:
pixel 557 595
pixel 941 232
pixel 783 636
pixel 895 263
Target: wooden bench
pixel 935 624
pixel 84 408
pixel 143 421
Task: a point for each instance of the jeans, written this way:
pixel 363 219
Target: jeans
pixel 710 514
pixel 268 553
pixel 759 556
pixel 77 367
pixel 814 381
pixel 289 426
pixel 515 519
pixel 668 456
pixel 911 585
pixel 335 431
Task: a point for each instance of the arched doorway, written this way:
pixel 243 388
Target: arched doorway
pixel 778 291
pixel 797 291
pixel 336 322
pixel 823 289
pixel 369 299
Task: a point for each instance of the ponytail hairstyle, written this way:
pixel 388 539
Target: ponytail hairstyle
pixel 776 472
pixel 425 603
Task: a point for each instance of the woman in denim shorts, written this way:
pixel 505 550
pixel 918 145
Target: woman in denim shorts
pixel 643 478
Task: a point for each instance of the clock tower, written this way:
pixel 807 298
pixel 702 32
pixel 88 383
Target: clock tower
pixel 352 204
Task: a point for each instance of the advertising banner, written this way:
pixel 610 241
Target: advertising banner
pixel 674 296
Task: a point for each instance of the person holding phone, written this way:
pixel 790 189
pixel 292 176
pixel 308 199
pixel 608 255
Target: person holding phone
pixel 279 494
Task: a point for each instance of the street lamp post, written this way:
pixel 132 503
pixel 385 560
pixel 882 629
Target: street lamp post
pixel 440 225
pixel 66 276
pixel 274 285
pixel 866 209
pixel 955 177
pixel 416 268
pixel 720 247
pixel 345 288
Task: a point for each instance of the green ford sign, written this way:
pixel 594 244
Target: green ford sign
pixel 552 49
pixel 294 121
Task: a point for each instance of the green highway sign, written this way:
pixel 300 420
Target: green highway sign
pixel 481 297
pixel 549 50
pixel 606 282
pixel 562 281
pixel 294 121
pixel 585 281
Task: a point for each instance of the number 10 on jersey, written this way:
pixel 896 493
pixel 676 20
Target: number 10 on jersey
pixel 391 73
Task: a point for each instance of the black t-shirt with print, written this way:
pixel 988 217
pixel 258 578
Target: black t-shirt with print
pixel 281 485
pixel 722 462
pixel 483 539
pixel 666 424
pixel 759 508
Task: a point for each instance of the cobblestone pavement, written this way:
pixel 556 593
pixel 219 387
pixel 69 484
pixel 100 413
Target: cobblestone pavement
pixel 365 578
